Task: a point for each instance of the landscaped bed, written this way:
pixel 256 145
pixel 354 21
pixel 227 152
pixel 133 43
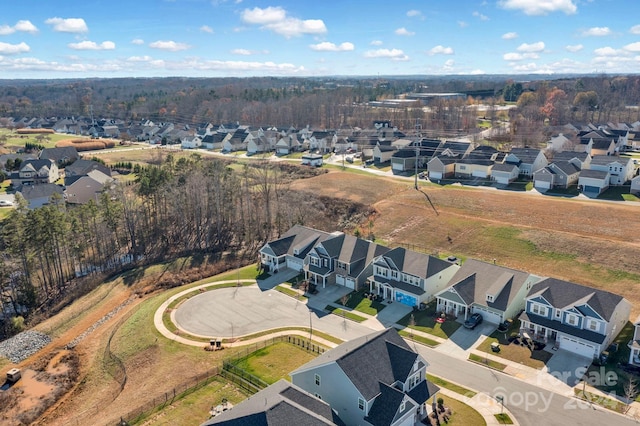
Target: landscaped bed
pixel 425 321
pixel 358 301
pixel 345 314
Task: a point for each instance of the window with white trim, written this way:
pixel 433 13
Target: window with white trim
pixel 317 379
pixel 360 404
pixel 539 309
pixel 572 319
pixel 558 313
pixel 394 275
pixel 315 261
pixel 593 325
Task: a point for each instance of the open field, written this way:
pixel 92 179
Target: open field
pixel 588 242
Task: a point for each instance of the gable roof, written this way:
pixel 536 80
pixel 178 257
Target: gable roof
pixel 417 264
pixel 382 411
pixel 562 294
pixel 475 279
pixel 379 357
pixel 525 155
pixel 298 236
pixel 60 154
pixel 279 404
pixel 565 167
pixel 605 160
pixel 32 192
pixel 503 167
pixel 570 155
pixel 594 174
pixel 35 165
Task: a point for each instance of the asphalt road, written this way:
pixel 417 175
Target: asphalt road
pixel 530 404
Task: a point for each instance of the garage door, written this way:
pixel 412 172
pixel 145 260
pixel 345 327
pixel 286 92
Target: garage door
pixel 502 180
pixel 487 315
pixel 543 185
pixel 589 188
pixel 479 173
pixel 340 279
pixel 405 299
pixel 435 175
pixel 577 347
pixel 398 167
pixel 294 263
pixel 350 283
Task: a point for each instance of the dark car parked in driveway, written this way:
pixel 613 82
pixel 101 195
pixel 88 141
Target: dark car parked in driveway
pixel 473 321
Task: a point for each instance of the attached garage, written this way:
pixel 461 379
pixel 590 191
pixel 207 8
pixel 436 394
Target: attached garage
pixel 501 179
pixel 397 166
pixel 406 299
pixel 487 315
pixel 435 175
pixel 350 283
pixel 589 188
pixel 541 184
pixel 577 347
pixel 294 263
pixel 339 279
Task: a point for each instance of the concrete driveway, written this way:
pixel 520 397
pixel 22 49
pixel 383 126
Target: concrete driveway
pixel 567 366
pixel 237 311
pixel 464 340
pixel 275 279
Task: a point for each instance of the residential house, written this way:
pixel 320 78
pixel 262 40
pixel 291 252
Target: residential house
pixel 320 140
pixel 406 160
pixel 621 169
pixel 81 168
pixel 343 260
pixel 10 160
pixel 375 379
pixel 61 156
pixel 312 160
pixel 635 186
pixel 87 187
pixel 468 168
pixel 40 195
pixel 288 144
pixel 214 140
pixel 495 292
pixel 191 142
pixel 409 277
pixel 458 149
pixel 559 174
pixel 603 147
pixel 528 160
pixel 593 182
pixel 634 344
pixel 290 250
pixel 558 143
pixel 279 404
pixel 579 319
pixel 581 160
pixel 504 173
pixel 441 167
pixel 34 172
pixel 383 152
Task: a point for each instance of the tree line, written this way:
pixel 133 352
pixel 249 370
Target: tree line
pixel 189 206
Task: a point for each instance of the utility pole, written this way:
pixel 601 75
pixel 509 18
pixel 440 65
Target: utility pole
pixel 417 143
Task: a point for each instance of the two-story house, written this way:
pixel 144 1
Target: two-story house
pixel 290 250
pixel 495 292
pixel 579 319
pixel 409 277
pixel 375 379
pixel 34 172
pixel 342 259
pixel 528 160
pixel 621 169
pixel 559 174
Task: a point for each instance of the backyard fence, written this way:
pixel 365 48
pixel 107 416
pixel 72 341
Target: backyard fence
pixel 228 370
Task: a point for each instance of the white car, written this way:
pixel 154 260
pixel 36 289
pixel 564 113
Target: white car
pixel 5 203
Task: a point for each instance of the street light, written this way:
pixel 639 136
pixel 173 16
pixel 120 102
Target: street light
pixel 500 399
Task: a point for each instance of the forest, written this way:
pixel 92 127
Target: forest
pixel 185 207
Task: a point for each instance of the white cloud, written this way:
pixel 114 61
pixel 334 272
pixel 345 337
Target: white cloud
pixel 515 56
pixel 137 41
pixel 635 29
pixel 404 32
pixel 462 24
pixel 633 47
pixel 480 16
pixel 376 43
pixel 395 54
pixel 92 45
pixel 534 47
pixel 477 72
pixel 509 36
pixel 540 7
pixel 574 47
pixel 206 29
pixel 169 45
pixel 448 65
pixel 414 14
pixel 276 19
pixel 440 50
pixel 597 31
pixel 12 49
pixel 22 26
pixel 139 58
pixel 332 47
pixel 247 52
pixel 606 51
pixel 69 25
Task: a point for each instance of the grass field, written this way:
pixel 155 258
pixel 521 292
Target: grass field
pixel 275 362
pixel 463 414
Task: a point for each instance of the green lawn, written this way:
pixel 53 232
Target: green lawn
pixel 286 289
pixel 420 339
pixel 356 300
pixel 503 419
pixel 618 193
pixel 346 314
pixel 425 321
pixel 514 352
pixel 438 381
pixel 275 362
pixel 611 404
pixel 462 414
pixel 488 362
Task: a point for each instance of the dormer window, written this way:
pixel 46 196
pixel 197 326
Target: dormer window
pixel 572 319
pixel 489 298
pixel 539 310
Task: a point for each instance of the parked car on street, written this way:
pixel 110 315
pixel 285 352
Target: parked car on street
pixel 5 203
pixel 473 321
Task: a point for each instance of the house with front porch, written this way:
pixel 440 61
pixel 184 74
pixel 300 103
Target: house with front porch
pixel 343 260
pixel 409 277
pixel 495 292
pixel 573 317
pixel 290 250
pixel 375 379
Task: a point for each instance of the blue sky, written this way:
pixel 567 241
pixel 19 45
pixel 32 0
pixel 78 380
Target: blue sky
pixel 217 38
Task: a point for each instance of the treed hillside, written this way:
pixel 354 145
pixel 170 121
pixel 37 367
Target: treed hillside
pixel 320 102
